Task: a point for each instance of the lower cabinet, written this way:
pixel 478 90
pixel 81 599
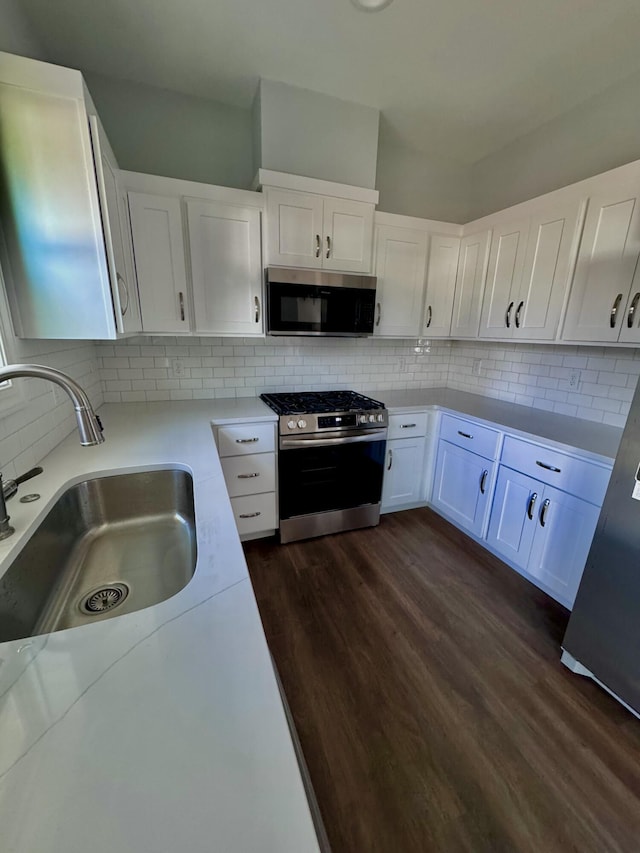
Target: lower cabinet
pixel 462 486
pixel 403 477
pixel 543 530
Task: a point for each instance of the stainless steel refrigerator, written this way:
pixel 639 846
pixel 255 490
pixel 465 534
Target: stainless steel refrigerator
pixel 603 635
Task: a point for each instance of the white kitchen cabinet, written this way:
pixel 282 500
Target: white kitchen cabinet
pixel 440 288
pixel 404 476
pixel 470 281
pixel 158 245
pixel 308 230
pixel 530 263
pixel 462 486
pixel 603 286
pixel 400 265
pixel 226 268
pixel 124 287
pixel 513 520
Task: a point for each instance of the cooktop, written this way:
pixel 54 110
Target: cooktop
pixel 311 402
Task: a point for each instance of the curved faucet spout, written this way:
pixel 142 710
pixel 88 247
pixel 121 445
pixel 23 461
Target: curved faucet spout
pixel 89 425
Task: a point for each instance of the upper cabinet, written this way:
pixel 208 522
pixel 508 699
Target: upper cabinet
pixel 529 270
pixel 470 280
pixel 226 267
pixel 308 230
pixel 440 287
pixel 606 291
pixel 65 250
pixel 400 265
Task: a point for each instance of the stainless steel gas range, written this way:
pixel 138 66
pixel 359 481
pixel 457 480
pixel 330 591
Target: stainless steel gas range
pixel 330 461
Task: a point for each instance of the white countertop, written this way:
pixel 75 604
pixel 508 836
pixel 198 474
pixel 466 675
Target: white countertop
pixel 572 433
pixel 160 730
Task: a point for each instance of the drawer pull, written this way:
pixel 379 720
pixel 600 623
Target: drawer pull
pixel 614 311
pixel 429 316
pixel 543 512
pixel 632 310
pixel 390 459
pixel 465 434
pixel 507 316
pixel 248 476
pixel 520 307
pixel 246 440
pixel 548 467
pixel 483 480
pixel 250 514
pixel 317 245
pixel 532 503
pixel 408 426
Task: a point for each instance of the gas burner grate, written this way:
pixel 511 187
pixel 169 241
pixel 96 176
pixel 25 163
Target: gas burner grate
pixel 318 402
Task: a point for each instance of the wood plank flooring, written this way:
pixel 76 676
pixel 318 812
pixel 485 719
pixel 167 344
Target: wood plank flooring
pixel 434 714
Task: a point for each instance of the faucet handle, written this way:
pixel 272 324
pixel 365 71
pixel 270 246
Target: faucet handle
pixel 10 487
pixel 32 472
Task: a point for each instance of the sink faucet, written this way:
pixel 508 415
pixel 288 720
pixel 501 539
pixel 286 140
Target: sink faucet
pixel 89 425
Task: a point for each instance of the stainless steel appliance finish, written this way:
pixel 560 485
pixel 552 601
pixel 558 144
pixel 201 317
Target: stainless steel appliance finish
pixel 314 302
pixel 108 546
pixel 603 636
pixel 330 461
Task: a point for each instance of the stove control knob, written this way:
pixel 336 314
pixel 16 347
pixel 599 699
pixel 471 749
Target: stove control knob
pixel 291 424
pixel 362 419
pixel 380 419
pixel 372 419
pixel 302 423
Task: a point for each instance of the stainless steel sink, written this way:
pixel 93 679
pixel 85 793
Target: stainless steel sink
pixel 108 546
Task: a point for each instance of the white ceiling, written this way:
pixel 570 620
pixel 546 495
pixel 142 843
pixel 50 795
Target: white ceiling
pixel 454 78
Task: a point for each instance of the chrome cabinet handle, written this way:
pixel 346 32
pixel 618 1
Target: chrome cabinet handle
pixel 379 310
pixel 429 316
pixel 548 467
pixel 181 303
pixel 532 503
pixel 250 514
pixel 543 512
pixel 518 310
pixel 248 476
pixel 632 310
pixel 507 316
pixel 246 440
pixel 390 459
pixel 614 311
pixel 328 245
pixel 465 434
pixel 483 480
pixel 408 426
pixel 318 246
pixel 257 309
pixel 122 283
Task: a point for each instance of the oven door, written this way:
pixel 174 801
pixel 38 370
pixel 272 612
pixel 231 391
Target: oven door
pixel 305 309
pixel 331 472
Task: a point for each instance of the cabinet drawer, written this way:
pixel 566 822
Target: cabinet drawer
pixel 255 513
pixel 587 480
pixel 408 426
pixel 470 435
pixel 250 475
pixel 243 439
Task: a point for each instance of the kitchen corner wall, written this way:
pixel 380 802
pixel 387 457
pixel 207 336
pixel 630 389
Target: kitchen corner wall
pixel 540 376
pixel 45 418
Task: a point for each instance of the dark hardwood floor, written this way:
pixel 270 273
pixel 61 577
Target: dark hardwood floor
pixel 425 681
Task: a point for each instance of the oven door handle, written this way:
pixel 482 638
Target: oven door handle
pixel 370 435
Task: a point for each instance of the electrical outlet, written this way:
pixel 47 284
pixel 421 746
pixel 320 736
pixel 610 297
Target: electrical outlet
pixel 574 380
pixel 476 368
pixel 176 369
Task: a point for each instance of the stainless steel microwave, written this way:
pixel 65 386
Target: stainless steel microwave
pixel 314 302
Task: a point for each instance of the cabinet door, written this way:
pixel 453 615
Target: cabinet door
pixel 470 280
pixel 401 258
pixel 514 514
pixel 565 526
pixel 462 486
pixel 606 263
pixel 504 277
pixel 547 268
pixel 403 476
pixel 224 242
pixel 441 285
pixel 294 229
pixel 158 246
pixel 124 288
pixel 348 235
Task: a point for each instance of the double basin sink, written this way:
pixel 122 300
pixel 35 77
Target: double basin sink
pixel 108 546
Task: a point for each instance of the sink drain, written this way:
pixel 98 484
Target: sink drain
pixel 104 598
